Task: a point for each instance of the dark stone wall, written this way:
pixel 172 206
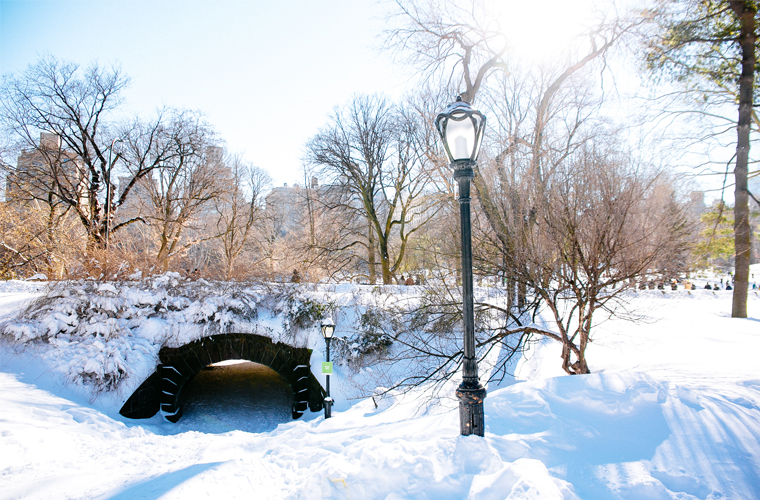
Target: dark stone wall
pixel 146 400
pixel 163 389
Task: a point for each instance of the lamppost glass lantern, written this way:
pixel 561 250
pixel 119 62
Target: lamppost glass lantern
pixel 328 329
pixel 461 128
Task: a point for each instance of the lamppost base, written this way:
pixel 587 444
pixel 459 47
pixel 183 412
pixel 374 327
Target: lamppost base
pixel 471 419
pixel 328 406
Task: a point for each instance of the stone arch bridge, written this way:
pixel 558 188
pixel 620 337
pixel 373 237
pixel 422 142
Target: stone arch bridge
pixel 162 391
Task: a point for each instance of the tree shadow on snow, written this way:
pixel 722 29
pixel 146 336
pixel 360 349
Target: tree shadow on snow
pixel 153 489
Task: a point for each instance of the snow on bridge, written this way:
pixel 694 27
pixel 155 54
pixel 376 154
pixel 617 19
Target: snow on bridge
pixel 133 345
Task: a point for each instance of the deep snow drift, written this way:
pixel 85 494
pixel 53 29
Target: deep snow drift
pixel 672 411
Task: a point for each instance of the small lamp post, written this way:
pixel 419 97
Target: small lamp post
pixel 461 129
pixel 328 329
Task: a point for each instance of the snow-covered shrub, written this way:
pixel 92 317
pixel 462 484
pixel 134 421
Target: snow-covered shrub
pixel 96 328
pixel 103 365
pixel 370 336
pixel 302 311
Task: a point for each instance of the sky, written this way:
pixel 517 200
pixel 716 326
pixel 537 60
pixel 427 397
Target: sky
pixel 266 74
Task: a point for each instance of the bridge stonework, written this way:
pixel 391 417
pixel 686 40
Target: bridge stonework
pixel 162 391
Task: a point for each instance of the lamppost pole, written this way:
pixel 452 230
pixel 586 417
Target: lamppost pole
pixel 470 392
pixel 328 329
pixel 328 399
pixel 461 129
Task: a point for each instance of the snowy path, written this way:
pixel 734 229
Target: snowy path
pixel 233 395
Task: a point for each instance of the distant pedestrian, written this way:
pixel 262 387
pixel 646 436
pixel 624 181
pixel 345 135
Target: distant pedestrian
pixel 708 287
pixel 728 287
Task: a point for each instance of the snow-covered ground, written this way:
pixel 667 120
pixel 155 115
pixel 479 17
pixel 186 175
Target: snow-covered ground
pixel 672 411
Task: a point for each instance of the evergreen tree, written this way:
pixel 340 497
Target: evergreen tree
pixel 708 46
pixel 717 237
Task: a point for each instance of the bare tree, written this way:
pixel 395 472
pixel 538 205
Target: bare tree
pixel 77 159
pixel 372 156
pixel 240 212
pixel 572 221
pixel 178 198
pixel 599 221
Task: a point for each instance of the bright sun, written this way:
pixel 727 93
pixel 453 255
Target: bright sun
pixel 543 30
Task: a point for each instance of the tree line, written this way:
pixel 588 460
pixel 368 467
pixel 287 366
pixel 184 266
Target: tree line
pixel 92 192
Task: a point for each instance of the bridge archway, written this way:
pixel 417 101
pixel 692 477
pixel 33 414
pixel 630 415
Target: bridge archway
pixel 162 390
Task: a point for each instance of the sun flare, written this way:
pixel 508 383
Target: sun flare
pixel 544 30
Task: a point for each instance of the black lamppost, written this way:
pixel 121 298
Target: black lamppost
pixel 461 129
pixel 328 328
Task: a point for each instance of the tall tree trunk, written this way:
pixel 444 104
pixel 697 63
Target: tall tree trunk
pixel 51 240
pixel 385 262
pixel 162 258
pixel 522 293
pixel 746 12
pixel 228 270
pixel 371 251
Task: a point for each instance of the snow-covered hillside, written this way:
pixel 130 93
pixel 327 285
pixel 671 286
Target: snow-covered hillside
pixel 102 340
pixel 672 411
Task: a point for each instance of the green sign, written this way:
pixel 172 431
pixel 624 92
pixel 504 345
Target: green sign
pixel 327 367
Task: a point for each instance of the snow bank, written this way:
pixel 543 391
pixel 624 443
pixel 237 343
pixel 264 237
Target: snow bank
pixel 599 436
pixel 105 337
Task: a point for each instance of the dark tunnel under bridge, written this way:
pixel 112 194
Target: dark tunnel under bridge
pixel 163 389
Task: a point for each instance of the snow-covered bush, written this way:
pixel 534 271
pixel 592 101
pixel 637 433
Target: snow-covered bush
pixel 300 310
pixel 372 336
pixel 98 330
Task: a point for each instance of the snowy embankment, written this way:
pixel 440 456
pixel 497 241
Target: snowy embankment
pixel 102 340
pixel 672 410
